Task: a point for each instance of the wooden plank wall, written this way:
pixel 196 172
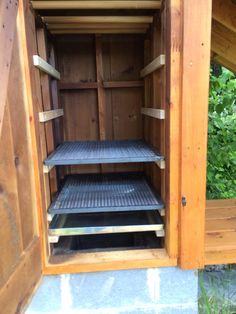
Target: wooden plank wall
pixel 20 258
pixel 122 106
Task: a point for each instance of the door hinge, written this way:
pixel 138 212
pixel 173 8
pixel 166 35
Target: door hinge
pixel 184 201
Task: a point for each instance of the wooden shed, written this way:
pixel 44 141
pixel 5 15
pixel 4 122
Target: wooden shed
pixel 103 138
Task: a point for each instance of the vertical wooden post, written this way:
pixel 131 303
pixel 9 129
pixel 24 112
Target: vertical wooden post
pixel 47 105
pixel 173 99
pixel 101 92
pixel 195 82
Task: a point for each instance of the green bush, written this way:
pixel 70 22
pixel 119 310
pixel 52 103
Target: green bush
pixel 221 166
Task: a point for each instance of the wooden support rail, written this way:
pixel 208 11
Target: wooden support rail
pixel 60 26
pixel 50 115
pixel 100 31
pixel 154 113
pixel 106 84
pixel 153 66
pixel 80 85
pixel 119 84
pixel 60 5
pixel 45 67
pixel 97 19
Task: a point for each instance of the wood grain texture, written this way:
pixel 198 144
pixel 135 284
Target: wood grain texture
pixel 84 262
pixel 173 123
pixel 21 139
pixel 223 42
pixel 196 65
pixel 153 65
pixel 31 79
pixel 220 232
pixel 8 11
pixel 220 257
pixel 27 273
pixel 224 12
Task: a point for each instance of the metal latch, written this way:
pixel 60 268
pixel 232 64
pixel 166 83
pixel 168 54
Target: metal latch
pixel 184 201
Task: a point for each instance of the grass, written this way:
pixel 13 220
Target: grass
pixel 217 290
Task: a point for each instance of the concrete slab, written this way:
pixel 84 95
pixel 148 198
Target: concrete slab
pixel 149 291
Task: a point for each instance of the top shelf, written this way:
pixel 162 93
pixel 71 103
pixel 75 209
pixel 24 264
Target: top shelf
pixel 101 152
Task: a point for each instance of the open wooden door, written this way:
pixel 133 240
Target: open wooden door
pixel 20 258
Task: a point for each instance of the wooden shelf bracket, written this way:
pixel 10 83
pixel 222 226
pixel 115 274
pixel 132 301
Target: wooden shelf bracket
pixel 45 67
pixel 154 113
pixel 153 66
pixel 160 164
pixel 49 115
pixel 47 169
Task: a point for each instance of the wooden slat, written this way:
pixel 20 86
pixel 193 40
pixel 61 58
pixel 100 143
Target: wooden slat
pixel 220 241
pixel 100 90
pixel 100 31
pixel 154 113
pixel 101 261
pixel 50 115
pixel 195 72
pixel 221 225
pixel 220 213
pixel 97 19
pixel 121 84
pixel 221 203
pixel 153 66
pixel 8 11
pixel 80 85
pixel 113 25
pixel 45 67
pixel 59 5
pixel 220 257
pixel 224 11
pixel 223 42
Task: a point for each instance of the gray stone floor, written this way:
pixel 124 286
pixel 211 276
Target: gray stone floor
pixel 149 291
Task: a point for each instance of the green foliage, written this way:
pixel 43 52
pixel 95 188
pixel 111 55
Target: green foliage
pixel 221 167
pixel 217 292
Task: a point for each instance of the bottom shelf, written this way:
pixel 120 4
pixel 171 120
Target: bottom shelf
pixel 109 222
pixel 106 243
